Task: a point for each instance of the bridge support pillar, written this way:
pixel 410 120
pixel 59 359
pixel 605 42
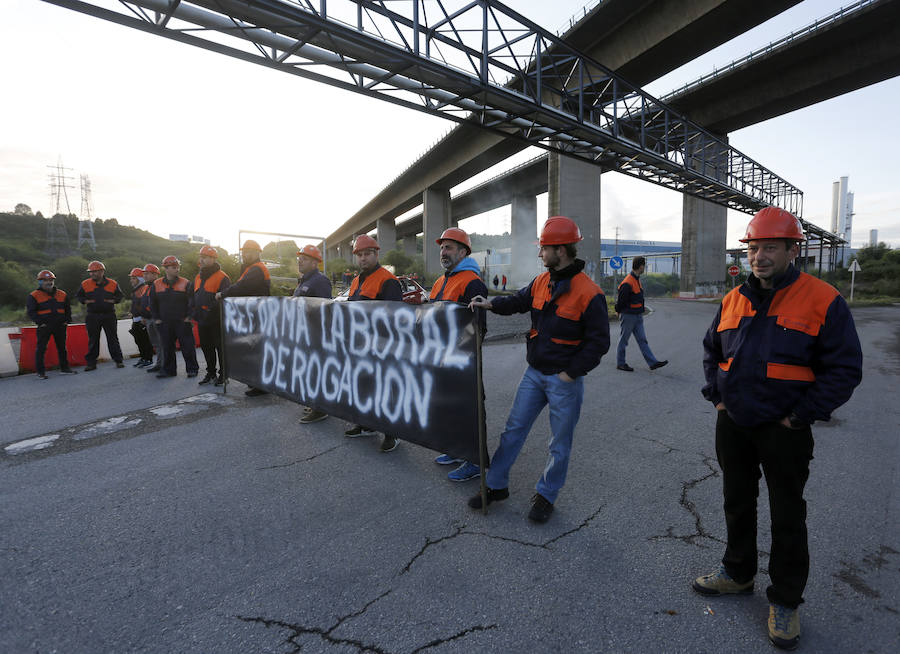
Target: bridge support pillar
pixel 574 192
pixel 387 234
pixel 347 251
pixel 409 246
pixel 523 228
pixel 436 217
pixel 703 231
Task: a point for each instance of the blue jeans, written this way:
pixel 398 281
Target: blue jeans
pixel 632 323
pixel 537 390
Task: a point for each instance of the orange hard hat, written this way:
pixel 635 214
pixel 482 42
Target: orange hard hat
pixel 310 251
pixel 458 235
pixel 250 244
pixel 95 265
pixel 151 268
pixel 46 274
pixel 559 230
pixel 136 272
pixel 774 222
pixel 209 251
pixel 171 260
pixel 364 242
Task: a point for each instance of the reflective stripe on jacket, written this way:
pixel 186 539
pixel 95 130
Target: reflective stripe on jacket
pixel 170 302
pixel 254 281
pixel 380 284
pixel 45 308
pixel 206 307
pixel 569 323
pixel 792 350
pixel 631 296
pixel 99 298
pixel 455 287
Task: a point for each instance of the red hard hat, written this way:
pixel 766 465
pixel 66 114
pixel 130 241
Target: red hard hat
pixel 171 260
pixel 136 272
pixel 310 251
pixel 209 251
pixel 559 230
pixel 46 274
pixel 774 222
pixel 151 268
pixel 458 235
pixel 250 244
pixel 95 265
pixel 364 242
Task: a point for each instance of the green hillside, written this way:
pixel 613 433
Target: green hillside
pixel 23 242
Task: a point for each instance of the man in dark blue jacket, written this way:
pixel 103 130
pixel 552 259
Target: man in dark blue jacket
pixel 100 294
pixel 171 297
pixel 311 283
pixel 48 307
pixel 569 334
pixel 630 308
pixel 210 280
pixel 781 353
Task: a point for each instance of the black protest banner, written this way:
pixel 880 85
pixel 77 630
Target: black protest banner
pixel 408 371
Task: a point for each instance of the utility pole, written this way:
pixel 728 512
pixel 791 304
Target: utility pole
pixel 85 226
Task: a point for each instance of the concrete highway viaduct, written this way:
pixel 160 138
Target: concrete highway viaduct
pixel 641 41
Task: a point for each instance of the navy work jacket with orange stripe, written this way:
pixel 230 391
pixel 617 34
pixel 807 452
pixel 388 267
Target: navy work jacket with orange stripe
pixel 569 322
pixel 48 308
pixel 379 284
pixel 461 284
pixel 254 281
pixel 207 283
pixel 631 296
pixel 791 350
pixel 99 298
pixel 171 301
pixel 140 301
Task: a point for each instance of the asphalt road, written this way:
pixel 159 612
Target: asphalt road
pixel 164 517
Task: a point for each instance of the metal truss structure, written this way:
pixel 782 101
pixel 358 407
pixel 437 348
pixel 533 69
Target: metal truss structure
pixel 476 62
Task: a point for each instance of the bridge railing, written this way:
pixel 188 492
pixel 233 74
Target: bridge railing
pixel 476 62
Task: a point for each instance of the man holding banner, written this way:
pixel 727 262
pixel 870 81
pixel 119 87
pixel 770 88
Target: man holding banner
pixel 461 282
pixel 372 283
pixel 569 335
pixel 311 283
pixel 255 280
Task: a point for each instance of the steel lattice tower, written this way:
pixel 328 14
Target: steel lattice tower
pixel 85 226
pixel 57 234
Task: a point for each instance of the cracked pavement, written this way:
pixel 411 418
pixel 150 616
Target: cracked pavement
pixel 233 528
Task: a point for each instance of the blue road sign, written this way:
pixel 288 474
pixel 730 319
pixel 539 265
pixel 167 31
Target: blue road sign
pixel 616 262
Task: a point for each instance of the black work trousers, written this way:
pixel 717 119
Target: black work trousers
pixel 94 322
pixel 44 332
pixel 142 340
pixel 169 331
pixel 211 344
pixel 783 454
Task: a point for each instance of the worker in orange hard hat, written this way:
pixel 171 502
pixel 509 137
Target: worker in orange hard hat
pixel 139 291
pixel 255 280
pixel 372 283
pixel 49 308
pixel 210 280
pixel 781 353
pixel 569 334
pixel 151 274
pixel 312 283
pixel 170 303
pixel 100 295
pixel 461 282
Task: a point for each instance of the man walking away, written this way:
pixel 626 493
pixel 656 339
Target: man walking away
pixel 630 308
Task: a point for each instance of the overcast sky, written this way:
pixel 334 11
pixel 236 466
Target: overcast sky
pixel 176 139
